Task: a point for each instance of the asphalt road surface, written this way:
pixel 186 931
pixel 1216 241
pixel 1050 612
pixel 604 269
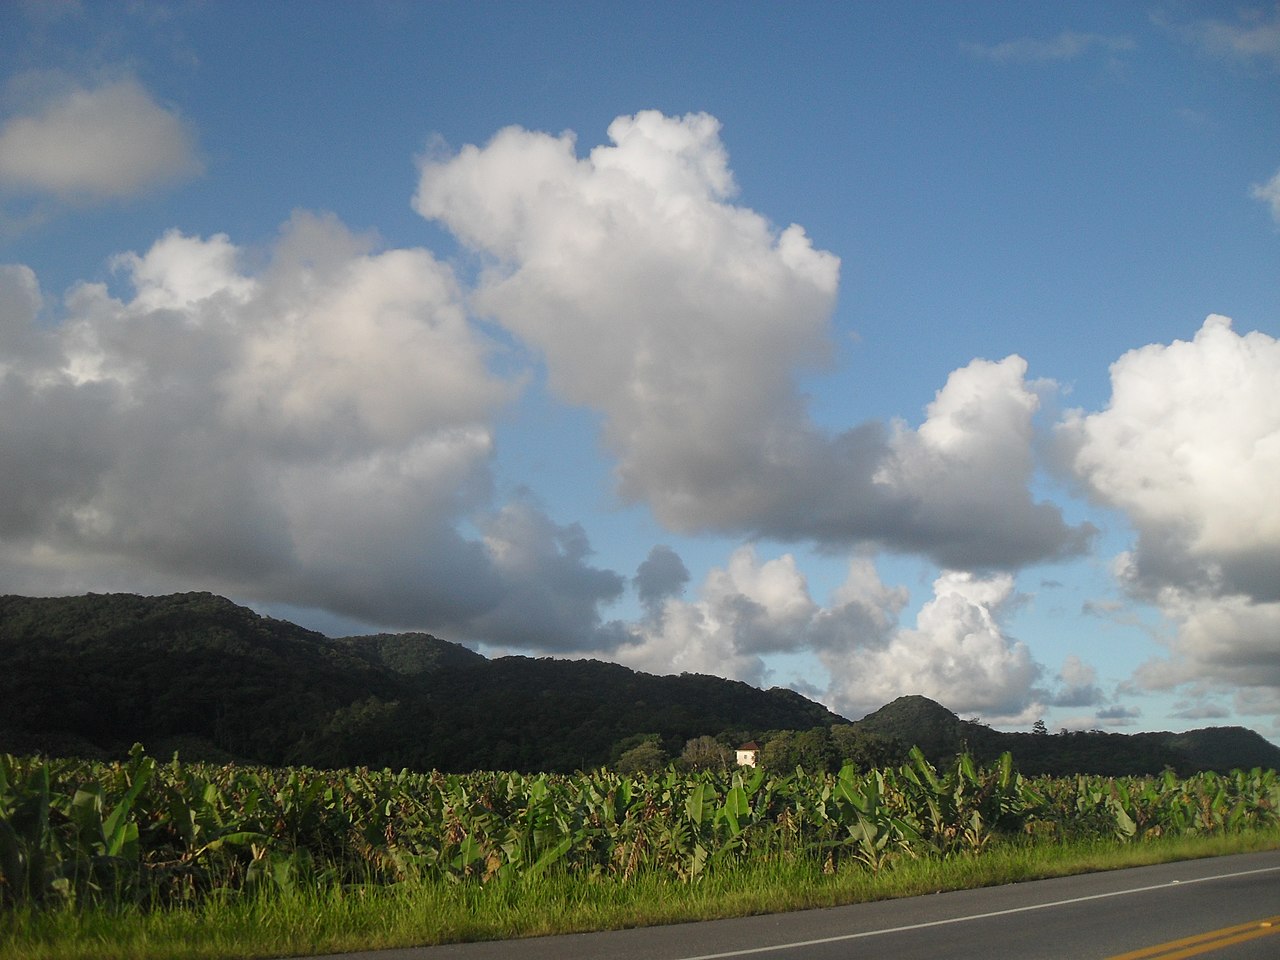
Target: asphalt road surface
pixel 1224 908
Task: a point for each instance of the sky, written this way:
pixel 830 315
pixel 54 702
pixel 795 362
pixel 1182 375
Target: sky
pixel 868 349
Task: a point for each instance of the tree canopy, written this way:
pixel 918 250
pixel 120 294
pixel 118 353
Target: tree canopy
pixel 91 675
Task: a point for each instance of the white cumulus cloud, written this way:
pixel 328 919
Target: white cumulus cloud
pixel 957 654
pixel 678 315
pixel 958 485
pixel 684 319
pixel 315 433
pixel 1189 449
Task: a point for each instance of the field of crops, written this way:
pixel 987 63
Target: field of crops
pixel 152 833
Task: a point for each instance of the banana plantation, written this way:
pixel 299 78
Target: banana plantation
pixel 161 834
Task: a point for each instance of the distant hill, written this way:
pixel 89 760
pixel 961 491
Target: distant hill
pixel 918 721
pixel 941 734
pixel 568 714
pixel 1217 748
pixel 196 673
pixel 111 669
pixel 90 675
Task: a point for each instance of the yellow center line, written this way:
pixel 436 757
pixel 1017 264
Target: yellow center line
pixel 1204 942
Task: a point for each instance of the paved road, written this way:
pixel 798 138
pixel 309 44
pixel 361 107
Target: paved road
pixel 1225 908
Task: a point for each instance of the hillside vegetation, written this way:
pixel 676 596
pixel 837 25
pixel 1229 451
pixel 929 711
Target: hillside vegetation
pixel 942 735
pixel 197 674
pixel 89 676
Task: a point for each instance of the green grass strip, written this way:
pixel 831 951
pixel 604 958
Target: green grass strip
pixel 355 918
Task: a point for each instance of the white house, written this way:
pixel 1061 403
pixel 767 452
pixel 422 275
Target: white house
pixel 749 754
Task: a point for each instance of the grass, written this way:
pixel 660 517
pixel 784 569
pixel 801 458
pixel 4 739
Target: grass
pixel 354 918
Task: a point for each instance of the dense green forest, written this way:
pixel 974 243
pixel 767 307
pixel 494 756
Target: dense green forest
pixel 194 673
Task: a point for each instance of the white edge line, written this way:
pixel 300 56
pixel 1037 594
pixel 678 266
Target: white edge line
pixel 976 916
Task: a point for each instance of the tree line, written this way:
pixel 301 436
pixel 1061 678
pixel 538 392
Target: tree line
pixel 818 749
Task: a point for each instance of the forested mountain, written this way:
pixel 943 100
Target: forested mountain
pixel 99 672
pixel 198 674
pixel 91 675
pixel 941 734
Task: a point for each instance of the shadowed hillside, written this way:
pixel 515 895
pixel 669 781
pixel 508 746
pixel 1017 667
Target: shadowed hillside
pixel 941 735
pixel 213 680
pixel 91 675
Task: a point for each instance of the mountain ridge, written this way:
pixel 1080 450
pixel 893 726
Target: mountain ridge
pixel 198 673
pixel 97 672
pixel 1083 751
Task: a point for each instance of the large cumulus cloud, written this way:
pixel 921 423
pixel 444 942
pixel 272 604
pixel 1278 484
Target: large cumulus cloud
pixel 1189 450
pixel 957 654
pixel 684 320
pixel 314 433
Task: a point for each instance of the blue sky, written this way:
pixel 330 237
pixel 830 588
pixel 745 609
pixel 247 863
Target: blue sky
pixel 870 349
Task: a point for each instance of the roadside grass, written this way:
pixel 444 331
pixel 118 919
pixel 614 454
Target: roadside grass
pixel 369 917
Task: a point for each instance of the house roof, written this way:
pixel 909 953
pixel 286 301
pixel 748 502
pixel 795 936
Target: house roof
pixel 750 745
